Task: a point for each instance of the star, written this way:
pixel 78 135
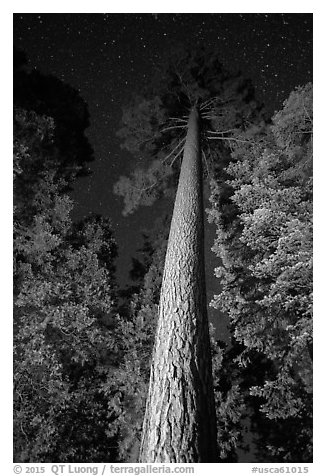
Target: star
pixel 109 57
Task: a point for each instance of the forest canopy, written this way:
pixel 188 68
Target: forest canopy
pixel 83 347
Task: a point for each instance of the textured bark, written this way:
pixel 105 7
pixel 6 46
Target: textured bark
pixel 179 424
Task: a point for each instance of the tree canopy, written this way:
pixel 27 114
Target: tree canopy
pixel 83 348
pixel 154 123
pixel 64 294
pixel 48 96
pixel 266 271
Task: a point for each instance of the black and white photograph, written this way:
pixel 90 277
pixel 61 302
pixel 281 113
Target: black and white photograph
pixel 163 239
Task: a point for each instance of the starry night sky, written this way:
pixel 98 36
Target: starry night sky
pixel 109 56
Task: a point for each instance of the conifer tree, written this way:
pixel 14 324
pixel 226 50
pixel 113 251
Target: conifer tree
pixel 179 423
pixel 266 274
pixel 63 301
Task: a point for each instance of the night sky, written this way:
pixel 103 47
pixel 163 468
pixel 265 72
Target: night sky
pixel 109 56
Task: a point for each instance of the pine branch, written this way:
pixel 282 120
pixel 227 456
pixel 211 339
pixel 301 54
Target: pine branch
pixel 178 154
pixel 178 119
pixel 172 128
pixel 221 132
pixel 307 113
pixel 204 155
pixel 231 138
pixel 184 85
pixel 178 145
pixel 145 188
pixel 209 102
pixel 210 117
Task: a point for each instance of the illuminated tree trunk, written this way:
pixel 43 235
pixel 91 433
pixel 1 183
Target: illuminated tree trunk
pixel 179 424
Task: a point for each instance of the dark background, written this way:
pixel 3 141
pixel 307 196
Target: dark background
pixel 108 56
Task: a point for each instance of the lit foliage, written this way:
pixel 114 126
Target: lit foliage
pixel 229 401
pixel 142 187
pixel 63 303
pixel 136 333
pixel 266 251
pixel 136 338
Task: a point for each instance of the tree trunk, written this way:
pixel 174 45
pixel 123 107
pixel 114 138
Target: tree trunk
pixel 180 424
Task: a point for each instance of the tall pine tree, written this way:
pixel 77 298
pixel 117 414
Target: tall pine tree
pixel 179 423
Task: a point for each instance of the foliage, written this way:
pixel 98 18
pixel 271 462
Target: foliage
pixel 81 371
pixel 229 401
pixel 266 272
pixel 48 96
pixel 63 305
pixel 142 187
pixel 136 332
pixel 154 124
